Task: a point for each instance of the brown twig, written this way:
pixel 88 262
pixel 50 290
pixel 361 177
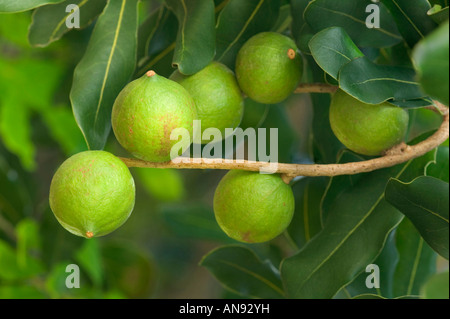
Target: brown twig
pixel 397 155
pixel 316 88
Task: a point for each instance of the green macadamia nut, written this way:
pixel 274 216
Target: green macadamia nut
pixel 364 128
pixel 252 207
pixel 269 67
pixel 147 111
pixel 92 193
pixel 217 96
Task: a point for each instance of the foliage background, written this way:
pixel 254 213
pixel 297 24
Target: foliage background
pixel 156 254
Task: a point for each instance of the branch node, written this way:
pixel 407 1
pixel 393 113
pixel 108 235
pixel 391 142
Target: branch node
pixel 398 149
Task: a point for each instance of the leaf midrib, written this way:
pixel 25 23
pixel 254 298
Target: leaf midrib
pixel 350 233
pixel 255 275
pixel 243 29
pixel 359 21
pixel 108 65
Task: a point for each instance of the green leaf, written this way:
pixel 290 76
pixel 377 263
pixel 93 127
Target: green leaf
pixel 300 30
pixel 147 30
pixel 375 84
pixel 431 58
pixel 332 48
pixel 284 20
pixel 387 262
pixel 238 269
pixel 440 169
pixel 156 39
pixel 163 184
pixel 49 22
pixel 411 18
pixel 417 260
pixel 195 45
pixel 23 5
pixel 10 267
pixel 89 257
pixel 439 14
pixel 239 21
pixel 306 222
pixel 64 129
pixel 193 221
pixel 105 69
pixel 325 143
pixel 339 184
pixel 428 210
pixel 277 117
pixel 15 130
pixel 368 296
pixel 412 104
pixel 351 15
pixel 437 287
pixel 353 235
pixel 28 240
pixel 254 114
pixel 129 269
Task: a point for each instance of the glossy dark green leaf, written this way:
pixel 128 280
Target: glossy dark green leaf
pixel 374 84
pixel 437 287
pixel 254 114
pixel 325 145
pixel 241 271
pixel 156 34
pixel 354 234
pixel 417 260
pixel 277 117
pixel 339 184
pixel 306 222
pixel 351 15
pixel 387 262
pixel 284 20
pixel 146 32
pixel 411 18
pixel 23 5
pixel 49 22
pixel 193 221
pixel 301 31
pixel 431 57
pixel 89 259
pixel 195 45
pixel 439 14
pixel 412 104
pixel 427 210
pixel 332 48
pixel 440 169
pixel 105 69
pixel 239 21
